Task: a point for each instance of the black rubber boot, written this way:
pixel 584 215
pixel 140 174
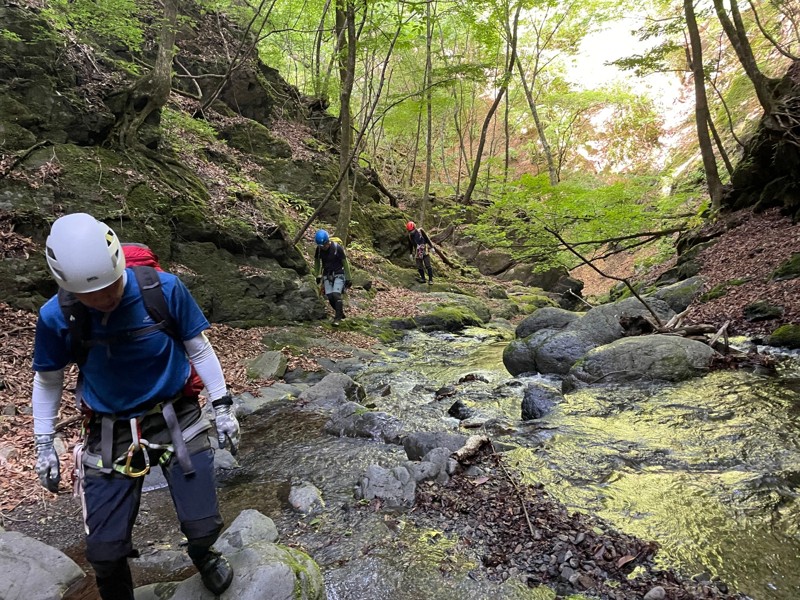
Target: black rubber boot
pixel 215 571
pixel 421 276
pixel 430 276
pixel 339 317
pixel 114 581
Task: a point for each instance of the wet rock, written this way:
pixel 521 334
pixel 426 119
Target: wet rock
pixel 259 565
pixel 334 390
pixel 547 317
pixel 306 498
pixel 459 410
pixel 657 593
pixel 354 420
pixel 419 444
pixel 538 400
pixel 32 569
pixel 395 487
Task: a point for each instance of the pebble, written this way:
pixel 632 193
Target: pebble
pixel 657 593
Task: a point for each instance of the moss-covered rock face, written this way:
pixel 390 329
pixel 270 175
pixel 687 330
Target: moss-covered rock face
pixel 788 270
pixel 245 291
pixel 254 138
pixel 42 100
pixel 786 336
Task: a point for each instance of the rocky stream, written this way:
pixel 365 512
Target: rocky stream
pixel 677 491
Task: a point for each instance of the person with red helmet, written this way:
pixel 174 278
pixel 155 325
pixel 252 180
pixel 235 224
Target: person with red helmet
pixel 419 245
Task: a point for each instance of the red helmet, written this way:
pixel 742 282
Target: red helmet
pixel 410 226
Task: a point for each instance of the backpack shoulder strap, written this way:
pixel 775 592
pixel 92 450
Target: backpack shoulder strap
pixel 154 301
pixel 77 317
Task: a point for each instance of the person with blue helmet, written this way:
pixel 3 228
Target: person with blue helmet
pixel 332 270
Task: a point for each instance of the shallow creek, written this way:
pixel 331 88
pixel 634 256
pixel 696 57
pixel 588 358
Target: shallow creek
pixel 710 469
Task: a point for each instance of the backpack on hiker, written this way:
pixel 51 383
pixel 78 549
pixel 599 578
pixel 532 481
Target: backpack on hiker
pixel 145 266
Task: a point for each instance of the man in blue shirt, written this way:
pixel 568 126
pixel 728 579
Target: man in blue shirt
pixel 133 388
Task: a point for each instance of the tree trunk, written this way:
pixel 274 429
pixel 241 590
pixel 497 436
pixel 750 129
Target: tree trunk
pixel 346 41
pixel 501 92
pixel 701 108
pixel 423 208
pixel 548 152
pixel 737 35
pixel 150 93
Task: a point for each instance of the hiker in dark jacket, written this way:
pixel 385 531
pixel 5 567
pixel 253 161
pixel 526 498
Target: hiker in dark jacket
pixel 132 387
pixel 419 244
pixel 335 273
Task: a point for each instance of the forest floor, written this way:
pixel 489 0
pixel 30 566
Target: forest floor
pixel 749 251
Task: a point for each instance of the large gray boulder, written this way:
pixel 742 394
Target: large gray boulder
pixel 601 324
pixel 262 569
pixel 547 317
pixel 33 570
pixel 681 294
pixel 551 351
pixel 334 390
pixel 642 358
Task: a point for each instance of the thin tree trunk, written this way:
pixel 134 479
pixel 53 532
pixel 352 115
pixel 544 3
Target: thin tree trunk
pixel 737 34
pixel 720 147
pixel 546 149
pixel 346 30
pixel 423 209
pixel 701 113
pixel 503 88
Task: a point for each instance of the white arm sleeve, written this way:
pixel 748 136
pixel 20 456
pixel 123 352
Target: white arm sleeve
pixel 46 399
pixel 206 363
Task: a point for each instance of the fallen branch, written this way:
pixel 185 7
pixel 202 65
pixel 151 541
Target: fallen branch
pixel 588 263
pixel 471 447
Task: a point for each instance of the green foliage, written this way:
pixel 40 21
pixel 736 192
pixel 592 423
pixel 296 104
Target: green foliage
pixel 9 36
pixel 113 22
pixel 185 133
pixel 585 211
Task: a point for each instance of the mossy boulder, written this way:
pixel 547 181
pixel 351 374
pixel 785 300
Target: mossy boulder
pixel 253 138
pixel 448 318
pixel 788 270
pixel 243 290
pixel 786 336
pixel 762 311
pixel 681 294
pixel 529 303
pixel 643 358
pixel 438 300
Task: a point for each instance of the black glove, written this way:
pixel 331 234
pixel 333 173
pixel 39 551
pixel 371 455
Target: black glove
pixel 319 279
pixel 348 284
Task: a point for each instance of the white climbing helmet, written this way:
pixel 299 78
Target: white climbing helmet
pixel 84 254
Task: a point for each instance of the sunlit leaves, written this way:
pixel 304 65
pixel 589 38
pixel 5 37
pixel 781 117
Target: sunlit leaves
pixel 114 22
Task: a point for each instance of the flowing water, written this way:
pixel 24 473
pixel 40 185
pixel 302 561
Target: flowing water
pixel 710 469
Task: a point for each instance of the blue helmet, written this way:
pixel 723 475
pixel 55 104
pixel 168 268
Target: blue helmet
pixel 321 237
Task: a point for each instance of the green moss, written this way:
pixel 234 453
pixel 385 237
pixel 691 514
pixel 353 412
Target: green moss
pixel 788 270
pixel 719 290
pixel 529 303
pixel 786 336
